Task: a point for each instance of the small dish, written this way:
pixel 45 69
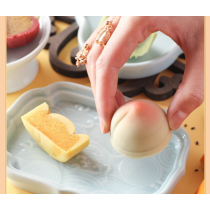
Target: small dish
pixel 22 66
pixel 162 54
pixel 98 168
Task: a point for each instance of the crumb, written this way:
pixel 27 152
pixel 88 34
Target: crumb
pixel 196 169
pixel 185 125
pixel 196 143
pixel 192 128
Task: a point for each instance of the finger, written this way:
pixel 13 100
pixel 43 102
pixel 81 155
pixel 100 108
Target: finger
pixel 91 63
pixel 94 54
pixel 190 93
pixel 92 37
pixel 117 51
pixel 120 99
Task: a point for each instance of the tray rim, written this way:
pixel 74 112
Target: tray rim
pixel 18 176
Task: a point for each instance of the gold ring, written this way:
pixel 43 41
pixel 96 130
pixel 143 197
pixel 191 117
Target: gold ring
pixel 81 56
pixel 102 38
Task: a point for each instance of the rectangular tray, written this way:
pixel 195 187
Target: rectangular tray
pixel 98 168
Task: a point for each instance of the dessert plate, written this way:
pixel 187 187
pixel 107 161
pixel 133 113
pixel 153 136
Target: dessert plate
pixel 98 168
pixel 22 66
pixel 162 54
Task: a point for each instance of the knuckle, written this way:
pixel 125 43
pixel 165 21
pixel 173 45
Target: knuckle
pixel 195 98
pixel 90 59
pixel 103 103
pixel 103 62
pixel 99 63
pixel 104 68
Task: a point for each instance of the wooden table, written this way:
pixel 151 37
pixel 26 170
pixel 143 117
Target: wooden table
pixel 46 76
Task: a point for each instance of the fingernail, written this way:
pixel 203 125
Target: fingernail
pixel 101 125
pixel 177 119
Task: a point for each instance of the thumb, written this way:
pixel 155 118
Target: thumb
pixel 190 93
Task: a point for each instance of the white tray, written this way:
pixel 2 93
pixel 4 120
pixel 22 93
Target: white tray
pixel 98 168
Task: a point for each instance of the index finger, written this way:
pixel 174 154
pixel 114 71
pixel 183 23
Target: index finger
pixel 122 43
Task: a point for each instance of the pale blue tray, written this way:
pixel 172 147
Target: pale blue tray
pixel 98 168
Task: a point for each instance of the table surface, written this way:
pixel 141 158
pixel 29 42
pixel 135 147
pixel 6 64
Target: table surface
pixel 46 76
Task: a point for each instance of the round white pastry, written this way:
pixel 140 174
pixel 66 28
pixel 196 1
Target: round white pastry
pixel 140 129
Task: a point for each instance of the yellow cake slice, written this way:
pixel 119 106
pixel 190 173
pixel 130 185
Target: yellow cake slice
pixel 54 133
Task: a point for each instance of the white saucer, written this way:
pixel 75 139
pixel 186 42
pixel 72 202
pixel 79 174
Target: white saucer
pixel 163 53
pixel 22 66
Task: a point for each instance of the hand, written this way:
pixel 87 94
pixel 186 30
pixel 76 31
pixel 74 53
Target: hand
pixel 103 64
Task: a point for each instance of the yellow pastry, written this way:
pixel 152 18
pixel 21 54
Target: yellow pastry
pixel 140 129
pixel 54 133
